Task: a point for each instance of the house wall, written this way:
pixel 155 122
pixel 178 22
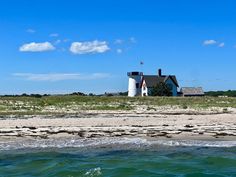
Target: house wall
pixel 193 95
pixel 174 87
pixel 144 89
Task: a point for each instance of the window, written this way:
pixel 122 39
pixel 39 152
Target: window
pixel 144 86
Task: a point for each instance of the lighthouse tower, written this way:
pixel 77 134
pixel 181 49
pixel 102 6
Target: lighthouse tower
pixel 135 79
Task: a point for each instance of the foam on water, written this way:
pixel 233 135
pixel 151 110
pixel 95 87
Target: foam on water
pixel 197 143
pixel 93 172
pixel 72 143
pixel 108 142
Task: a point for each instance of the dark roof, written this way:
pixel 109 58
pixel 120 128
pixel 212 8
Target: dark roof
pixel 192 91
pixel 174 79
pixel 152 80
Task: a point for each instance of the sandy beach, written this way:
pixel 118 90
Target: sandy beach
pixel 148 124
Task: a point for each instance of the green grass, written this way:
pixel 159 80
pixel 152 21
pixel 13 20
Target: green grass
pixel 63 104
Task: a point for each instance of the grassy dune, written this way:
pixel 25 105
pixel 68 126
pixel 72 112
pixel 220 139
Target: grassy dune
pixel 71 104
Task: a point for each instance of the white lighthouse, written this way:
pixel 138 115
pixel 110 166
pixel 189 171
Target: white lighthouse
pixel 135 79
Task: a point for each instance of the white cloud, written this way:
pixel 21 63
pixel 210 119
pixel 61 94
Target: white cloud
pixel 30 30
pixel 89 47
pixel 209 42
pixel 37 47
pixel 54 35
pixel 61 76
pixel 119 51
pixel 118 41
pixel 132 40
pixel 221 45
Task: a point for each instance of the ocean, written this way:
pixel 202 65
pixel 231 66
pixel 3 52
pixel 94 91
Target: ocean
pixel 117 157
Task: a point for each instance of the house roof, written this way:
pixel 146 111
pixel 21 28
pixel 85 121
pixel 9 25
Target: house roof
pixel 192 91
pixel 152 80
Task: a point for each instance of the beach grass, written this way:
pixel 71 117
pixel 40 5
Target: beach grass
pixel 72 103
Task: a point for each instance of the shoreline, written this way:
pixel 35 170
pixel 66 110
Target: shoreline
pixel 113 124
pixel 24 144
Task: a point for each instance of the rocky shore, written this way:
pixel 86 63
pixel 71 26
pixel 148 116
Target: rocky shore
pixel 149 124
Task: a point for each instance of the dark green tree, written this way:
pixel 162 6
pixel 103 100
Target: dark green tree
pixel 161 89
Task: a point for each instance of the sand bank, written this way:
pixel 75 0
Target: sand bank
pixel 121 124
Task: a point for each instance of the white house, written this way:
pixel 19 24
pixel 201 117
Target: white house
pixel 144 86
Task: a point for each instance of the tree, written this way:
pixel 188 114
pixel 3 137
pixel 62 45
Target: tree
pixel 161 89
pixel 123 93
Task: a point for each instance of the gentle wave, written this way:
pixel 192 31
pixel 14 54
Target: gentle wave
pixel 72 143
pixel 108 142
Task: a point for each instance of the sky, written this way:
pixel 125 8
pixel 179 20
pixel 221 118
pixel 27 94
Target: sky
pixel 64 46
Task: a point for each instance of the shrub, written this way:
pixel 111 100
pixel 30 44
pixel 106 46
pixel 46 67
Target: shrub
pixel 161 89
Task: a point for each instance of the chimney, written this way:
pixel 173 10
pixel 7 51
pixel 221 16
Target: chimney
pixel 159 72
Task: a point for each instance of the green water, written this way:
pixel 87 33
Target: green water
pixel 119 161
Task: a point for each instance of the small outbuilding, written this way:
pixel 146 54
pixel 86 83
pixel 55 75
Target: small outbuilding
pixel 191 91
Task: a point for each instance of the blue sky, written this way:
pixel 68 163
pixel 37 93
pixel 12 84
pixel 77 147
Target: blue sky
pixel 52 46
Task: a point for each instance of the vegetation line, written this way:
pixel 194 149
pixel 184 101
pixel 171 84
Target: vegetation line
pixel 26 105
